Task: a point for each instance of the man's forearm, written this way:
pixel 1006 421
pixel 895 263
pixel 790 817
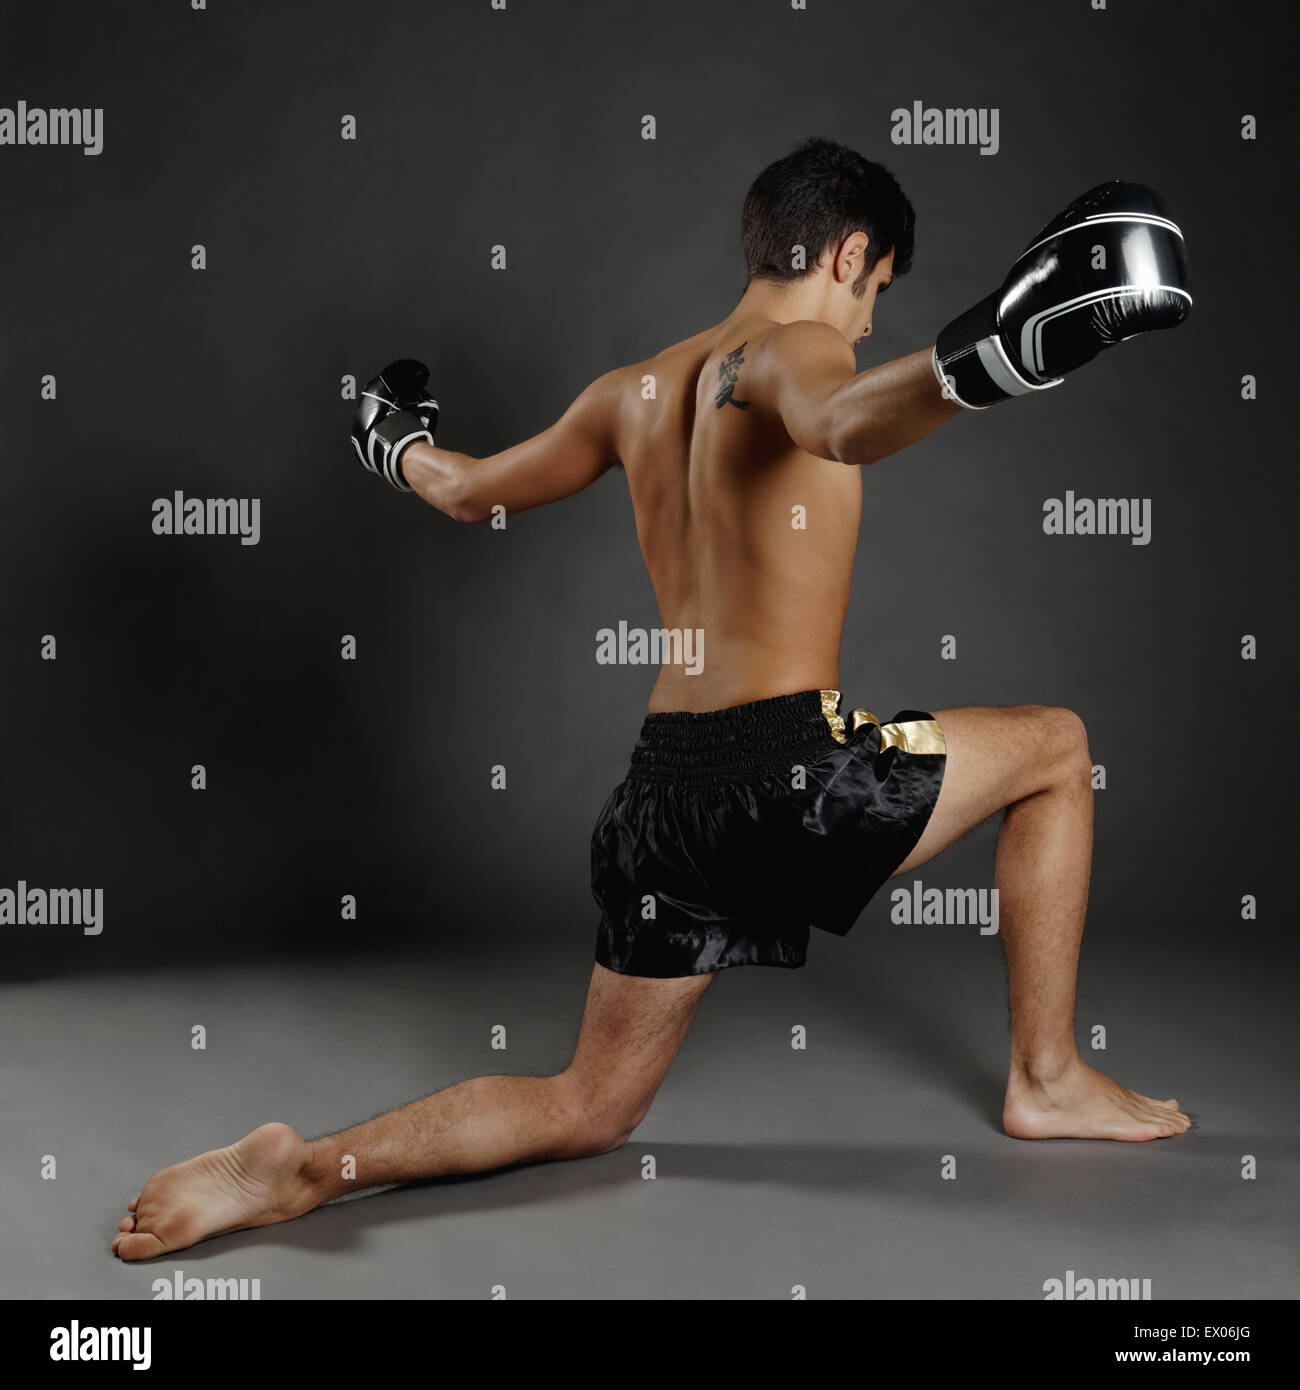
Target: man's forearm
pixel 886 408
pixel 439 477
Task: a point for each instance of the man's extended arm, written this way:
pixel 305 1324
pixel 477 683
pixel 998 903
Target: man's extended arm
pixel 1111 266
pixel 834 412
pixel 560 461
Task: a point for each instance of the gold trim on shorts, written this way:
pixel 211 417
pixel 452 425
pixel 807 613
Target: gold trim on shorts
pixel 911 735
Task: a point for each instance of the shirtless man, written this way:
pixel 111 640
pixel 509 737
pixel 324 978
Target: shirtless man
pixel 753 807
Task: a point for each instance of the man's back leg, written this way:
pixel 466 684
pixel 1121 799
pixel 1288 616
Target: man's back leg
pixel 631 1030
pixel 1033 762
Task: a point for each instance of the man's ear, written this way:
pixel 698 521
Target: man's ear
pixel 851 257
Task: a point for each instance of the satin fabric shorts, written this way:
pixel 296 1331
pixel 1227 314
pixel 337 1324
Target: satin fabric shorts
pixel 737 830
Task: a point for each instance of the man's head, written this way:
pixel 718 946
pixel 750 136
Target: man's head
pixel 853 221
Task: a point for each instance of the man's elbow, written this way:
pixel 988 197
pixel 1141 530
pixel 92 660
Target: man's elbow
pixel 845 436
pixel 465 500
pixel 469 509
pixel 849 446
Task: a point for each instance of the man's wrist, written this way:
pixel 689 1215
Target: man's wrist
pixel 413 465
pixel 438 476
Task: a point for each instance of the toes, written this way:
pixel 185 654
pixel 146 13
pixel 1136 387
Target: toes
pixel 141 1245
pixel 127 1223
pixel 133 1203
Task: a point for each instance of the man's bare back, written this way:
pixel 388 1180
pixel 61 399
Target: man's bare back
pixel 747 538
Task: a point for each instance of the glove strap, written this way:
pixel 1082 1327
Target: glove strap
pixel 948 385
pixel 386 442
pixel 392 469
pixel 972 365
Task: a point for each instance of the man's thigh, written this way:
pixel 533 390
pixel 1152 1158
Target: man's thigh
pixel 997 755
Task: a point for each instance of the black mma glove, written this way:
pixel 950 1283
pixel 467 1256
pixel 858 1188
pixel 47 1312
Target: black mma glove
pixel 1111 266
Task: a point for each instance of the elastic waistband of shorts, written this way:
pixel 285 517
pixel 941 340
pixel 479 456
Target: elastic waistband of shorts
pixel 725 745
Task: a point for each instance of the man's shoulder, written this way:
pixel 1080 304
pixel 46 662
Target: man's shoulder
pixel 791 353
pixel 632 381
pixel 805 337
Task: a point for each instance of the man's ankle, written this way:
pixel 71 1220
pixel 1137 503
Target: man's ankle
pixel 1043 1066
pixel 311 1182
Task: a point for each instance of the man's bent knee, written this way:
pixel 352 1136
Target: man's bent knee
pixel 598 1121
pixel 596 1136
pixel 1065 746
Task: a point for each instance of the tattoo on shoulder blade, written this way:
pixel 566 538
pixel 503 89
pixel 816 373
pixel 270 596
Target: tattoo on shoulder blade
pixel 728 375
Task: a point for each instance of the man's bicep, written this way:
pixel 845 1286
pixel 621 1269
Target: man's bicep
pixel 805 364
pixel 560 461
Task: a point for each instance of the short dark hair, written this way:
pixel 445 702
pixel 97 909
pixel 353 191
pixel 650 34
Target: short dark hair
pixel 816 196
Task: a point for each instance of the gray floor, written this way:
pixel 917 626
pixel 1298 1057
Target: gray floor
pixel 775 1167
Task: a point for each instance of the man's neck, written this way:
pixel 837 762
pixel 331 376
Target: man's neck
pixel 791 303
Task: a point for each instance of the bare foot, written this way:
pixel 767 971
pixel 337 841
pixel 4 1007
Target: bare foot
pixel 256 1182
pixel 1079 1103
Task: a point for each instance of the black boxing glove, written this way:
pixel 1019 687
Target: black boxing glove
pixel 1058 307
pixel 394 409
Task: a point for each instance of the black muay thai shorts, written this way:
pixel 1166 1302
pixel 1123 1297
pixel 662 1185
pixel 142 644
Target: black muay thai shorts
pixel 736 830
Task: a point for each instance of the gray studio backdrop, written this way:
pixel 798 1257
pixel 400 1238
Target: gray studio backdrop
pixel 523 128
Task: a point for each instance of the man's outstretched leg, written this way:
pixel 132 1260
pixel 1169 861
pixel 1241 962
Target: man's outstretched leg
pixel 1034 762
pixel 631 1031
